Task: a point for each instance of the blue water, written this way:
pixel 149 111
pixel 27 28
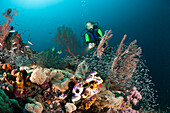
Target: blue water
pixel 148 21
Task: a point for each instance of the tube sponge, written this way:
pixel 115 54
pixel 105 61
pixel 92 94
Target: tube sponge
pixel 38 77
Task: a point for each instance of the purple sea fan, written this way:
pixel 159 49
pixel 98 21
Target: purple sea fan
pixel 123 66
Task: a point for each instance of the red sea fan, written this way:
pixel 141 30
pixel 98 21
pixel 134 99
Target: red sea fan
pixel 4 29
pixel 68 41
pixel 4 32
pixel 17 38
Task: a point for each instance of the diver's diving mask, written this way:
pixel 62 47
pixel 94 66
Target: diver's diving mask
pixel 89 26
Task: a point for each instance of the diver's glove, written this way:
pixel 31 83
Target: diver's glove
pixel 91 45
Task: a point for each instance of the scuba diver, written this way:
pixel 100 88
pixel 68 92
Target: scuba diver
pixel 93 36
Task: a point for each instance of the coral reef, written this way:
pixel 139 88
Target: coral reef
pixel 46 82
pixel 136 75
pixel 69 92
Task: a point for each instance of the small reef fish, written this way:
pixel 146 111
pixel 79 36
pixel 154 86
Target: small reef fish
pixel 53 49
pixel 12 31
pixel 14 48
pixel 22 51
pixel 13 43
pixel 10 51
pixel 30 43
pixel 27 46
pixel 59 52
